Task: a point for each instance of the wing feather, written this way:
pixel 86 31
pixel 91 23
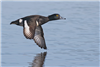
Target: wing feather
pixel 39 37
pixel 29 29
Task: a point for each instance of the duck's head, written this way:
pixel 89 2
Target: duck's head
pixel 55 17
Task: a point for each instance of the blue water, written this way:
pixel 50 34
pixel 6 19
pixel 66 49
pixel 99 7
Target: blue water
pixel 73 42
pixel 50 0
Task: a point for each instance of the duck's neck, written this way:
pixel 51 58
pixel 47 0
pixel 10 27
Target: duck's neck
pixel 43 20
pixel 51 18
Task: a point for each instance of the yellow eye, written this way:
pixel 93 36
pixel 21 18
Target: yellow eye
pixel 57 15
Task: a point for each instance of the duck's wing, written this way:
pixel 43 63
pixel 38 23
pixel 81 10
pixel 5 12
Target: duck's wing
pixel 39 60
pixel 39 37
pixel 29 29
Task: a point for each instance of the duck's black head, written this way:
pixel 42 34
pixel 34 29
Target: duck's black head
pixel 55 17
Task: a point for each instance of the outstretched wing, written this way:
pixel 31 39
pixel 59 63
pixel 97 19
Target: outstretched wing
pixel 39 37
pixel 29 29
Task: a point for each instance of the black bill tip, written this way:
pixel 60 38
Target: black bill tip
pixel 62 18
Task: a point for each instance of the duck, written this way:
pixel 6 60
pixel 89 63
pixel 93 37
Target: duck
pixel 32 27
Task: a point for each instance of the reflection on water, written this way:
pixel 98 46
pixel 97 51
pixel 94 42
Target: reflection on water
pixel 39 60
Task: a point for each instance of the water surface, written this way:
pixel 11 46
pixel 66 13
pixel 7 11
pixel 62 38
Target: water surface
pixel 73 42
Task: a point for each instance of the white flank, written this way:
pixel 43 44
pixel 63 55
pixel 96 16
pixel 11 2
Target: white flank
pixel 37 23
pixel 27 31
pixel 20 20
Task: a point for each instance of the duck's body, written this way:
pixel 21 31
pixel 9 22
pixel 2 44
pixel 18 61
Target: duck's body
pixel 32 27
pixel 32 18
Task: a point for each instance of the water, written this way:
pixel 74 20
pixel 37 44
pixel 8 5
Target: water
pixel 73 42
pixel 50 0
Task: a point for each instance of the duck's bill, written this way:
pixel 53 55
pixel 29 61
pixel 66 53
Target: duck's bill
pixel 62 18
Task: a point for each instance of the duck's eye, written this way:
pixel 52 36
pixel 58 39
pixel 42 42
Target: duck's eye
pixel 56 15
